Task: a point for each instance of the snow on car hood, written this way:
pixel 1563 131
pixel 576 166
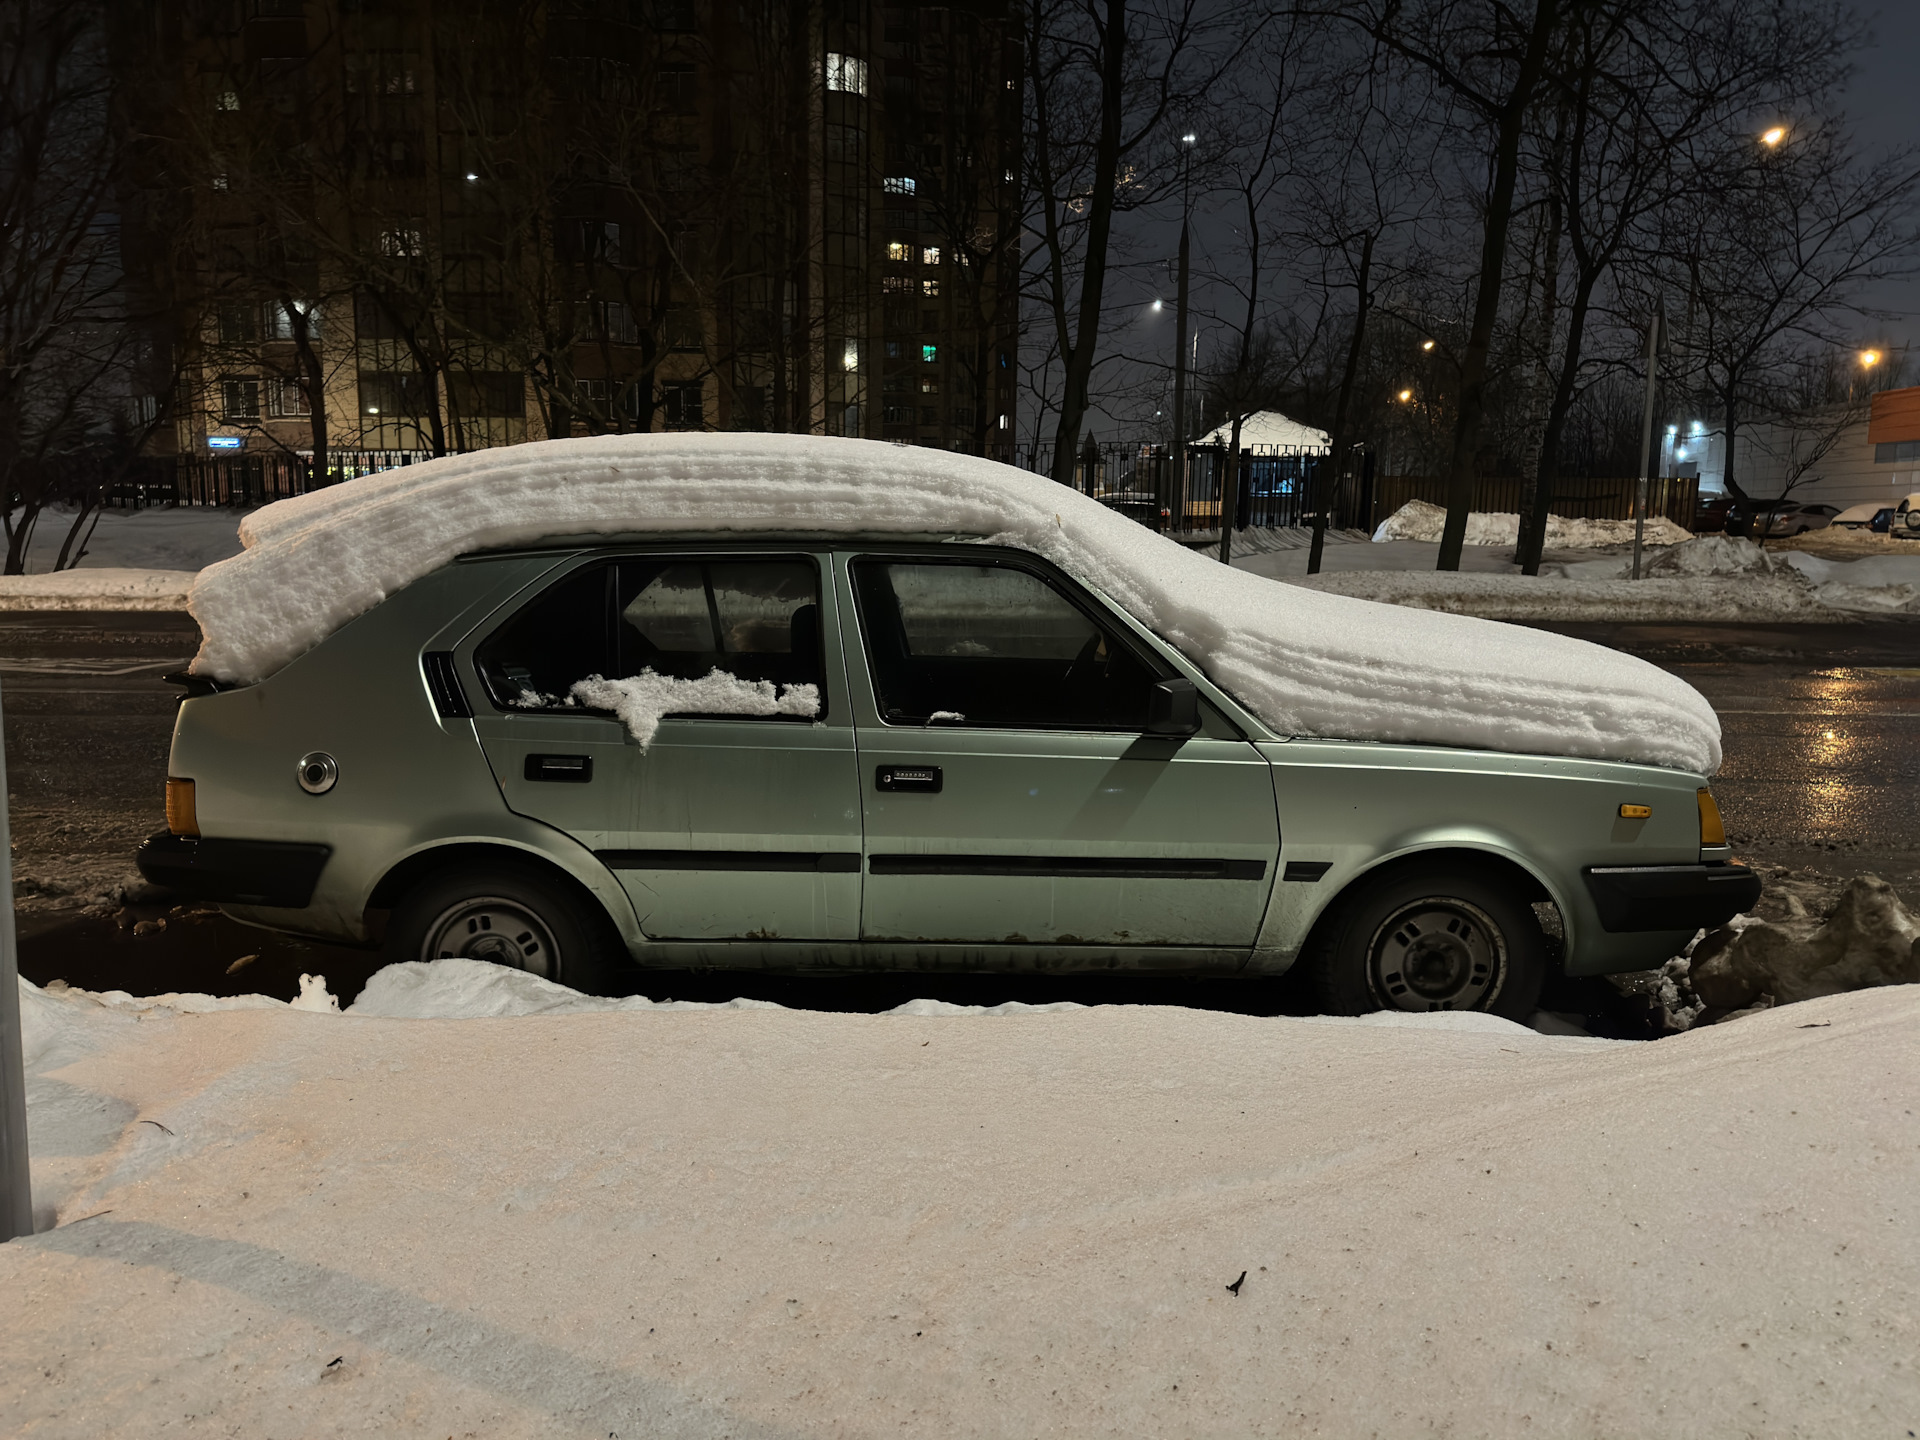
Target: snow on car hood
pixel 1306 663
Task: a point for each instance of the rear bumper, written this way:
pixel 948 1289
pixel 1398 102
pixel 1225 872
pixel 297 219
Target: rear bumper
pixel 1632 898
pixel 244 872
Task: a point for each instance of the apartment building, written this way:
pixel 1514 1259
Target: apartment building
pixel 390 228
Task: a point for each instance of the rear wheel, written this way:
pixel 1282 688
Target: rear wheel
pixel 1430 937
pixel 509 915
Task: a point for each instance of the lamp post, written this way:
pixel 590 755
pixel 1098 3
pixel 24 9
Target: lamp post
pixel 1646 438
pixel 1180 337
pixel 16 1180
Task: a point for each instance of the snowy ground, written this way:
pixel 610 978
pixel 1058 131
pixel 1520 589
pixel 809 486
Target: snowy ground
pixel 765 1222
pixel 188 538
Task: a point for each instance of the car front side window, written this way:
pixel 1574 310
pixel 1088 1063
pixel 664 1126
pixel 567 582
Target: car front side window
pixel 992 646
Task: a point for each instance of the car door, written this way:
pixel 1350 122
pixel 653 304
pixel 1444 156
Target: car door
pixel 722 827
pixel 1011 795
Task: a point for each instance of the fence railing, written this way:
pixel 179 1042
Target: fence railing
pixel 1137 480
pixel 1141 481
pixel 1274 489
pixel 242 480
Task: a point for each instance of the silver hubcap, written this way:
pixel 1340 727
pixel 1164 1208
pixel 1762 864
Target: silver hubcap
pixel 495 930
pixel 1436 954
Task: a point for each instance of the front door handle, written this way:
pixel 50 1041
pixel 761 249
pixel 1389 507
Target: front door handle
pixel 908 779
pixel 566 769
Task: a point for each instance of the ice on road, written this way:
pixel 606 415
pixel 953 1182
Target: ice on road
pixel 753 1221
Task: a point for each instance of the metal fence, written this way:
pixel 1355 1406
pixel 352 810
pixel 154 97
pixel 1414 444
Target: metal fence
pixel 242 480
pixel 1576 497
pixel 1141 481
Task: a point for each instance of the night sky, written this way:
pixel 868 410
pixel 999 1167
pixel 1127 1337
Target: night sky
pixel 1882 106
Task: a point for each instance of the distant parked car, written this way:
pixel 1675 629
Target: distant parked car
pixel 1905 520
pixel 1710 515
pixel 1799 519
pixel 1869 516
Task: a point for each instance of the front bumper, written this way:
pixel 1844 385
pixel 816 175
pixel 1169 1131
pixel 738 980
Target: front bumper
pixel 1632 898
pixel 279 873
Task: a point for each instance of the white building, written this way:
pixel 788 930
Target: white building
pixel 1875 457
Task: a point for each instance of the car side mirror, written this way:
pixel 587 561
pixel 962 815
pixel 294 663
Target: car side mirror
pixel 1173 708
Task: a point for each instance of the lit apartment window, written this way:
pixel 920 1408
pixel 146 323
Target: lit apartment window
pixel 930 354
pixel 280 322
pixel 931 288
pixel 930 255
pixel 850 355
pixel 897 185
pixel 899 250
pixel 846 74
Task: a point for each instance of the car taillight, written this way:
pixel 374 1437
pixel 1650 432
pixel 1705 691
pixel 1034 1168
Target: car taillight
pixel 181 819
pixel 1712 830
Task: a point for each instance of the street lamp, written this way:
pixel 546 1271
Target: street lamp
pixel 1773 135
pixel 1426 345
pixel 1406 397
pixel 1869 359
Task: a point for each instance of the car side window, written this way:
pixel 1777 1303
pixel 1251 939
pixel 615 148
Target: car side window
pixel 685 617
pixel 564 635
pixel 994 646
pixel 755 619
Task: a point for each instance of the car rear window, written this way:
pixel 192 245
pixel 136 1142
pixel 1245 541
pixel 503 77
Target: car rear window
pixel 754 618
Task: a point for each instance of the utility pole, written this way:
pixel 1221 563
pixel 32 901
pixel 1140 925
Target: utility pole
pixel 1646 438
pixel 16 1179
pixel 1180 340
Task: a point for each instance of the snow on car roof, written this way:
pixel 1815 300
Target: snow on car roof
pixel 1306 663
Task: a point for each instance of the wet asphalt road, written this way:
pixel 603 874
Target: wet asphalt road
pixel 1822 770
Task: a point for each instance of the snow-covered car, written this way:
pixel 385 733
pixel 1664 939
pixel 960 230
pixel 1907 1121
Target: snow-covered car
pixel 1798 519
pixel 1906 518
pixel 1870 516
pixel 587 705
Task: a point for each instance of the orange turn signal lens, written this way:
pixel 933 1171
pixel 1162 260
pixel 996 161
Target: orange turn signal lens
pixel 181 819
pixel 1712 830
pixel 1636 812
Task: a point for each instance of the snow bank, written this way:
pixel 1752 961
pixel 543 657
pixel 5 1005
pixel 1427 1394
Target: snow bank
pixel 1703 599
pixel 1311 664
pixel 474 990
pixel 642 701
pixel 1417 520
pixel 104 588
pixel 779 1223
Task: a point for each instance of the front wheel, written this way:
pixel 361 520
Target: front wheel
pixel 1430 937
pixel 508 915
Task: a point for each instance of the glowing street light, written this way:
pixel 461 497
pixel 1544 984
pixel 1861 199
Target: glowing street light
pixel 1426 345
pixel 1406 397
pixel 1158 306
pixel 1869 359
pixel 1773 135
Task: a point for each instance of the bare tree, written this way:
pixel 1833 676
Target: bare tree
pixel 1776 258
pixel 1102 81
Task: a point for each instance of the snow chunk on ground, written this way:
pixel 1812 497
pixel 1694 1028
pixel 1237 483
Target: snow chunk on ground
pixel 1418 520
pixel 1007 1007
pixel 642 701
pixel 1305 663
pixel 786 1223
pixel 1869 940
pixel 103 588
pixel 456 989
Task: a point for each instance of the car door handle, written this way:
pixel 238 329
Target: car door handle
pixel 566 769
pixel 909 779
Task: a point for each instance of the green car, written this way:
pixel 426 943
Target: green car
pixel 932 753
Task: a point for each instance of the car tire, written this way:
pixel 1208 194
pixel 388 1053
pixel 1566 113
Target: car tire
pixel 1429 936
pixel 510 915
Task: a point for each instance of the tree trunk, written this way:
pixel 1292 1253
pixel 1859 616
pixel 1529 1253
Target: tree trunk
pixel 1337 449
pixel 1534 519
pixel 1077 361
pixel 1230 493
pixel 1493 260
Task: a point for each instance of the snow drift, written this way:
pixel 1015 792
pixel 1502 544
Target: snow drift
pixel 1418 520
pixel 1305 663
pixel 778 1223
